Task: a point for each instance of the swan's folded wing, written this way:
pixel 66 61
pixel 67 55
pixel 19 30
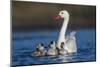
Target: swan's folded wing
pixel 71 45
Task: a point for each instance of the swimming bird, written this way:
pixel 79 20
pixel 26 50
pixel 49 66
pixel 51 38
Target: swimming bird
pixel 62 51
pixel 52 49
pixel 70 42
pixel 40 50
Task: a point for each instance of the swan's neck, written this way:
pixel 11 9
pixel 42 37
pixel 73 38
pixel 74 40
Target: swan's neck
pixel 61 37
pixel 64 28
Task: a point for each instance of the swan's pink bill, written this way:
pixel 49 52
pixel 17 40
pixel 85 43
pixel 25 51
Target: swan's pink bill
pixel 57 17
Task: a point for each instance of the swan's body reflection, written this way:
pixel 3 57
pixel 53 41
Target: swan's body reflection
pixel 65 58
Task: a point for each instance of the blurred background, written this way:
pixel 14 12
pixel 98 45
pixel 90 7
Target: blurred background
pixel 39 16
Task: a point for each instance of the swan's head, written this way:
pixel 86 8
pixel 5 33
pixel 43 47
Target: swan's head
pixel 62 14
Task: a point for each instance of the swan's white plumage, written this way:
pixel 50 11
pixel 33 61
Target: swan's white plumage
pixel 69 40
pixel 65 15
pixel 71 43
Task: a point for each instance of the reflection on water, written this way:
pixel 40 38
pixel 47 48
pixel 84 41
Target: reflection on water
pixel 25 42
pixel 64 59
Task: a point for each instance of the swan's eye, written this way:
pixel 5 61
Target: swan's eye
pixel 61 12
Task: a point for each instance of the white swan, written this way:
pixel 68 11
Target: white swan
pixel 70 44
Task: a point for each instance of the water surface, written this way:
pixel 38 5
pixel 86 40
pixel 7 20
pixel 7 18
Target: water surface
pixel 23 43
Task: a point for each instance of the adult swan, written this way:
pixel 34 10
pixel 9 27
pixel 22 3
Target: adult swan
pixel 69 40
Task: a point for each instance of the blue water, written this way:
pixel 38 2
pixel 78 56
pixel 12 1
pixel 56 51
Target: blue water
pixel 23 43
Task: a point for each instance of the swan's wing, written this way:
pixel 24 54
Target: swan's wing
pixel 71 45
pixel 67 37
pixel 73 33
